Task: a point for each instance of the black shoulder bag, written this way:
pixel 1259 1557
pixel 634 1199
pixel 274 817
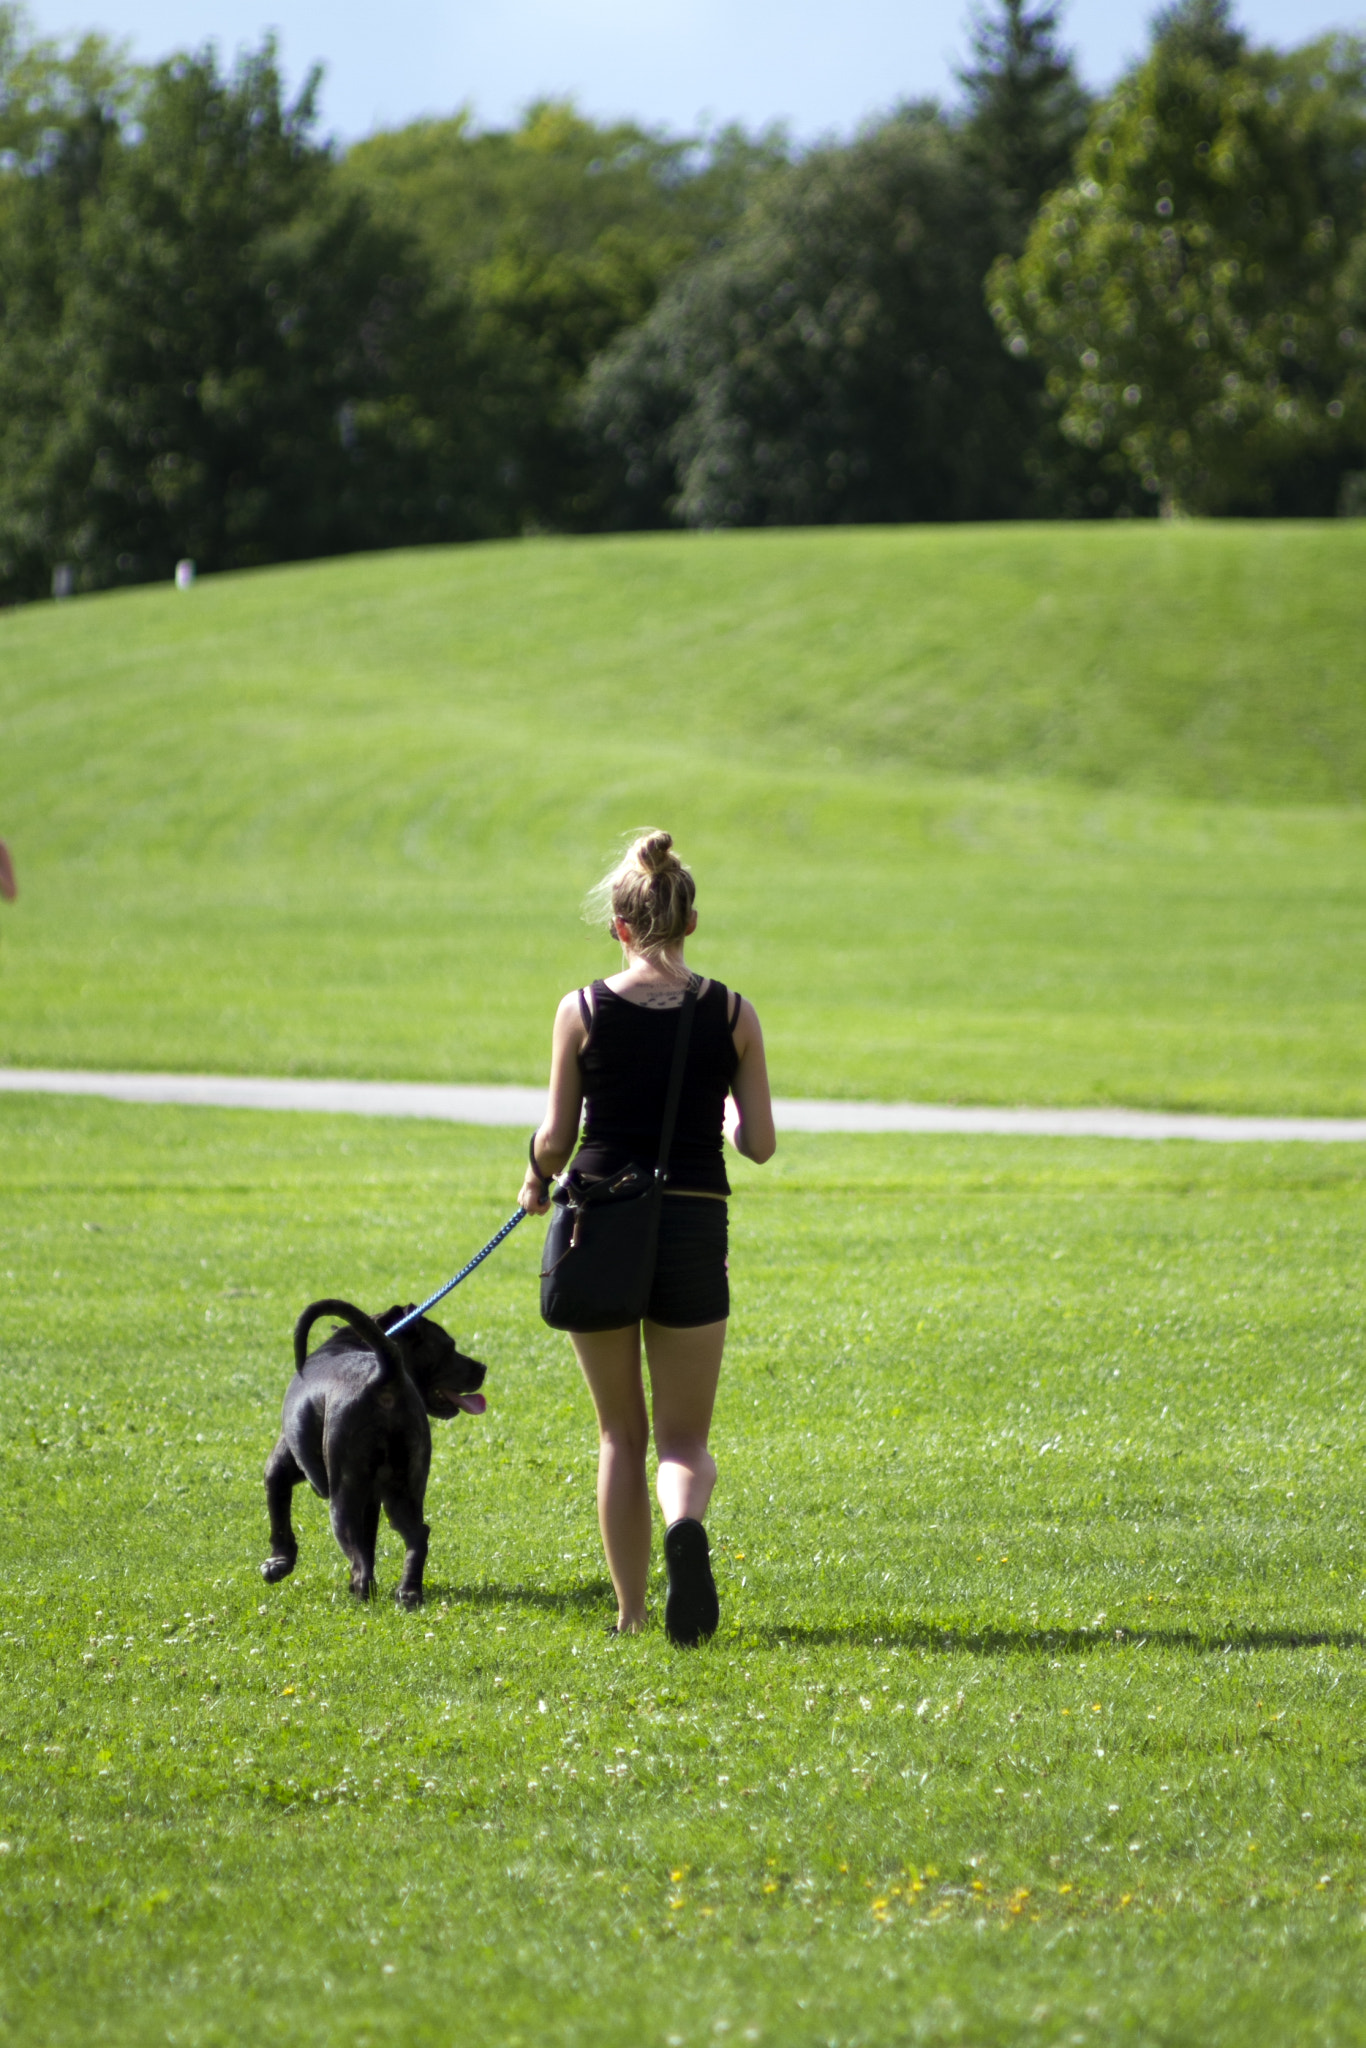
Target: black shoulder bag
pixel 599 1257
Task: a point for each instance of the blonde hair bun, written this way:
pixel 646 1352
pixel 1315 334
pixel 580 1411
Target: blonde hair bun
pixel 650 890
pixel 655 853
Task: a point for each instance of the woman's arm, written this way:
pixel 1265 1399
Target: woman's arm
pixel 555 1139
pixel 749 1112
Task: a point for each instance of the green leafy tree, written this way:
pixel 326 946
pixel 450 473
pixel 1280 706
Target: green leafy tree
pixel 1190 292
pixel 253 344
pixel 60 114
pixel 560 234
pixel 248 367
pixel 834 362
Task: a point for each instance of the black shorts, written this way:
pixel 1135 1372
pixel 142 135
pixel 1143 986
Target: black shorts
pixel 690 1284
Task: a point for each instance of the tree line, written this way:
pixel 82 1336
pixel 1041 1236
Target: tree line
pixel 222 338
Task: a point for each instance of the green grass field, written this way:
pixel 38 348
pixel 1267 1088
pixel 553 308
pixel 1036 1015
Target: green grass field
pixel 1035 1715
pixel 1051 814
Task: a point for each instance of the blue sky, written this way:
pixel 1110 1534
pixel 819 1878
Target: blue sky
pixel 818 66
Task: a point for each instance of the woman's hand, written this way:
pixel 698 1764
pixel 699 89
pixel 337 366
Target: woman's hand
pixel 535 1195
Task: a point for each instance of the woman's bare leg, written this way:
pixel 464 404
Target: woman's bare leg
pixel 610 1361
pixel 684 1368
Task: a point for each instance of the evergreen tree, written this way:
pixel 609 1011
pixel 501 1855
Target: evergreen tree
pixel 1026 107
pixel 1201 29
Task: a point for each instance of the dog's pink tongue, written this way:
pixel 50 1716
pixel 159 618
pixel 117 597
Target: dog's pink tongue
pixel 473 1404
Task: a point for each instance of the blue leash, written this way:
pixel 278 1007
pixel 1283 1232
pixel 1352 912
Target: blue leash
pixel 432 1299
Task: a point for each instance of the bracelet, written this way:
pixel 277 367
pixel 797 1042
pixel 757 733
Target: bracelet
pixel 544 1178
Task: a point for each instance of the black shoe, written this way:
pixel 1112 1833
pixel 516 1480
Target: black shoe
pixel 692 1610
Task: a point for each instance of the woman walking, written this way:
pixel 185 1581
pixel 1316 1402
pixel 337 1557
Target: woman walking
pixel 611 1054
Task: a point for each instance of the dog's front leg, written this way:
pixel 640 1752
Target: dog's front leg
pixel 282 1476
pixel 405 1515
pixel 355 1523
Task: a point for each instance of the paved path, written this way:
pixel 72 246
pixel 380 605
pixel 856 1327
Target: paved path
pixel 524 1107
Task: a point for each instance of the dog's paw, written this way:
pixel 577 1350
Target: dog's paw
pixel 276 1568
pixel 408 1596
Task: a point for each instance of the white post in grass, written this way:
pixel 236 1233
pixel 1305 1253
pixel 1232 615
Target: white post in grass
pixel 184 574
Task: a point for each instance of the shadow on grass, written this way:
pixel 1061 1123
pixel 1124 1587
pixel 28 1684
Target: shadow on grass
pixel 883 1632
pixel 1007 1642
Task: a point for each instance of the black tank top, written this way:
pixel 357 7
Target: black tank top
pixel 625 1067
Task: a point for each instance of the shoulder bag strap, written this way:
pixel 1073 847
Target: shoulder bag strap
pixel 666 1134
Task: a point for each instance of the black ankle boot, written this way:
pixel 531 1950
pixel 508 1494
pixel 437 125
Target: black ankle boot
pixel 692 1610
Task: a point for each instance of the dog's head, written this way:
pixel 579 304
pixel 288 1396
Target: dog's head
pixel 445 1378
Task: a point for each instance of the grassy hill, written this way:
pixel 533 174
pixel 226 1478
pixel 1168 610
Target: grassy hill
pixel 1068 814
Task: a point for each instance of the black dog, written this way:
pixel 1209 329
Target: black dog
pixel 355 1427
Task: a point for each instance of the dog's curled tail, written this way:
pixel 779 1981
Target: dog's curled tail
pixel 385 1349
